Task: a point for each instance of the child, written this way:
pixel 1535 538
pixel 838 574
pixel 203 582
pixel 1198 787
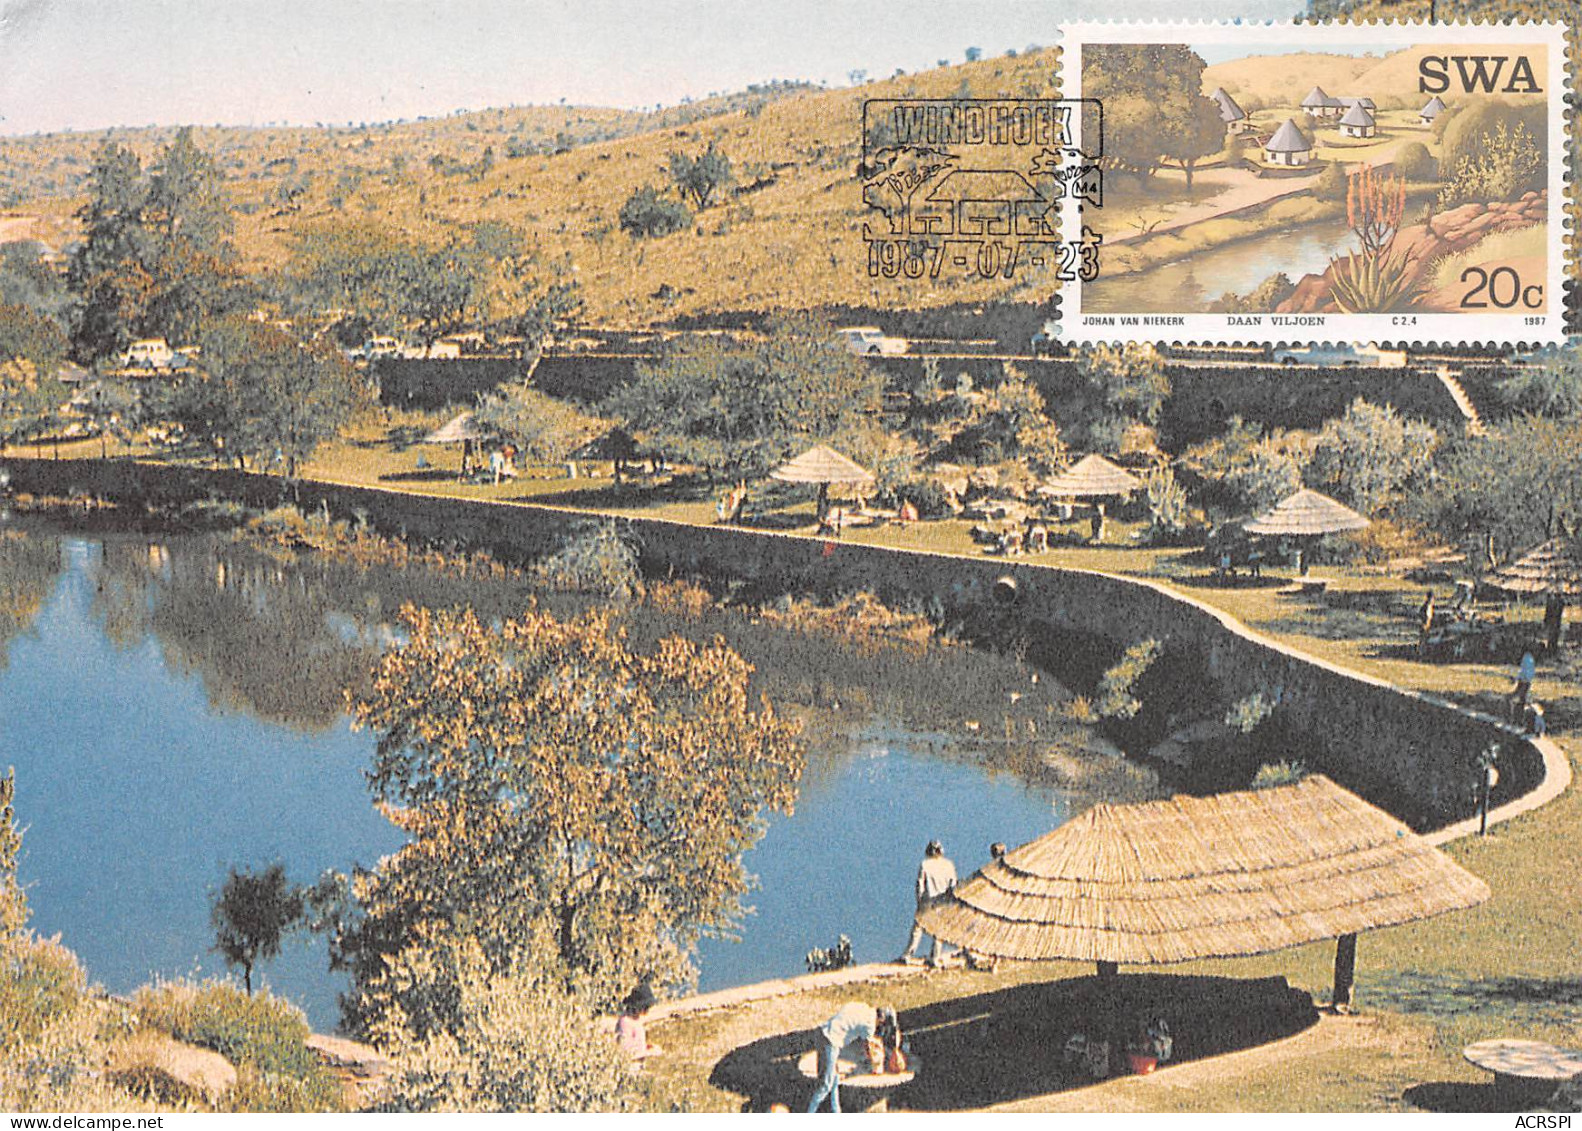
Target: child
pixel 630 1033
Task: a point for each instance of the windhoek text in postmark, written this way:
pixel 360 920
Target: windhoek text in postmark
pixel 1322 182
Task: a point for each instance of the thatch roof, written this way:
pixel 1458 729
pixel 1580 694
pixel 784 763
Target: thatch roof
pixel 821 464
pixel 1434 107
pixel 454 431
pixel 1288 139
pixel 1204 877
pixel 1357 115
pixel 1317 97
pixel 1092 477
pixel 1306 514
pixel 1228 110
pixel 1553 567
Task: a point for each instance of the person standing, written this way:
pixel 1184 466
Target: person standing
pixel 936 876
pixel 1425 623
pixel 854 1024
pixel 1526 671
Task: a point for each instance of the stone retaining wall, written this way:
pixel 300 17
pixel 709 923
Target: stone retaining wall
pixel 1412 753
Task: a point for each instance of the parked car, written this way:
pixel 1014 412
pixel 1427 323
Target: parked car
pixel 1340 355
pixel 870 341
pixel 377 347
pixel 148 353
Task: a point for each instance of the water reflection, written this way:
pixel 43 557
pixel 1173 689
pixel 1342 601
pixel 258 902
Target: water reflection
pixel 174 707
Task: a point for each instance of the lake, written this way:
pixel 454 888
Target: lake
pixel 1191 284
pixel 172 706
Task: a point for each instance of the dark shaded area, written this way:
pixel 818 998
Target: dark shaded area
pixel 1448 1096
pixel 1007 1044
pixel 1522 1002
pixel 1202 401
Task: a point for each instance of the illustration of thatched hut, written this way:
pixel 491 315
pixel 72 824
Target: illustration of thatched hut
pixel 1358 122
pixel 1288 146
pixel 1226 876
pixel 1321 105
pixel 1234 117
pixel 1434 107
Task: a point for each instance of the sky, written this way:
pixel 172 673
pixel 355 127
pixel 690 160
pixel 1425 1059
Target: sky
pixel 89 64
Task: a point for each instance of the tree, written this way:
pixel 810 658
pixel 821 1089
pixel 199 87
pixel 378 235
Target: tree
pixel 29 399
pixel 257 393
pixel 156 259
pixel 1154 106
pixel 546 430
pixel 647 213
pixel 1199 131
pixel 1126 385
pixel 973 54
pixel 513 1042
pixel 1551 388
pixel 1506 490
pixel 1368 456
pixel 252 916
pixel 107 272
pixel 559 786
pixel 699 178
pixel 1009 422
pixel 743 407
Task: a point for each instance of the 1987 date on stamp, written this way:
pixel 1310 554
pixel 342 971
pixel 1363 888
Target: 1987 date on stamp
pixel 971 186
pixel 1345 182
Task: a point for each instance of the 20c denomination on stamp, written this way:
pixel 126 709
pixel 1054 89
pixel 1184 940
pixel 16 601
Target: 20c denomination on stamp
pixel 1321 182
pixel 971 187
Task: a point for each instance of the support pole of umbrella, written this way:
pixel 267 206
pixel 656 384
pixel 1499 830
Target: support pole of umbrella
pixel 1345 972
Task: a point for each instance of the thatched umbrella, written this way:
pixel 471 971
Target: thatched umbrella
pixel 1553 569
pixel 462 429
pixel 1093 477
pixel 1306 514
pixel 823 465
pixel 1225 876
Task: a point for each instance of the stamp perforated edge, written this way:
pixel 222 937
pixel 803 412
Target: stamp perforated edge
pixel 1430 329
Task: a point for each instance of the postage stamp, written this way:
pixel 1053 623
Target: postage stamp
pixel 971 186
pixel 1323 182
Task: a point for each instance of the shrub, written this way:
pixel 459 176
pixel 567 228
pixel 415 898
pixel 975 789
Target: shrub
pixel 597 558
pixel 1331 183
pixel 262 1031
pixel 1507 162
pixel 1247 713
pixel 1116 700
pixel 1272 774
pixel 927 495
pixel 646 213
pixel 1167 501
pixel 1415 163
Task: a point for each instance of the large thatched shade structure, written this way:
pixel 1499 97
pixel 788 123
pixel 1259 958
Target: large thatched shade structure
pixel 1554 569
pixel 1226 876
pixel 1306 514
pixel 1092 477
pixel 823 465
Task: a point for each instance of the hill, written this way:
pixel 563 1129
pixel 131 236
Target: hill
pixel 1391 80
pixel 790 235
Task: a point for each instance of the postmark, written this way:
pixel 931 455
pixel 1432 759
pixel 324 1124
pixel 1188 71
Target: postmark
pixel 1396 183
pixel 972 187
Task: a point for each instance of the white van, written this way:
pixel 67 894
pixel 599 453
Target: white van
pixel 148 353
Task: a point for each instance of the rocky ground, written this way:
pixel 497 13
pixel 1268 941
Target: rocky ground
pixel 1424 245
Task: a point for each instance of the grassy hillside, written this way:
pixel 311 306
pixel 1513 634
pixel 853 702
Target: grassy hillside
pixel 790 236
pixel 1391 81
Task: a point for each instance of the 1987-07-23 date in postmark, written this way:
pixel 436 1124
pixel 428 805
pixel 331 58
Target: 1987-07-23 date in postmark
pixel 1400 182
pixel 971 187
